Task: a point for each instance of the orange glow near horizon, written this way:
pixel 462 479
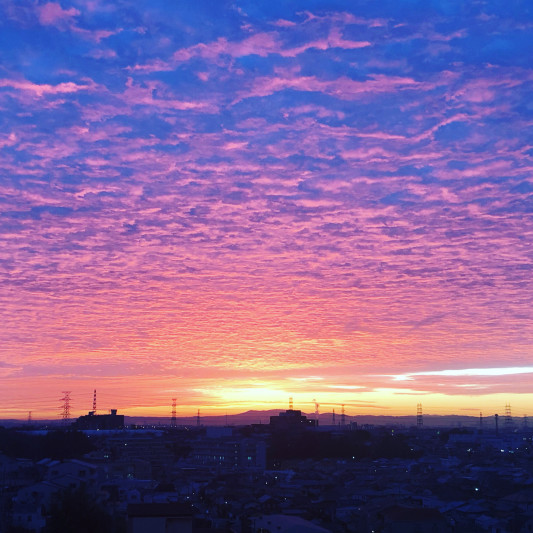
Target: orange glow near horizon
pixel 238 396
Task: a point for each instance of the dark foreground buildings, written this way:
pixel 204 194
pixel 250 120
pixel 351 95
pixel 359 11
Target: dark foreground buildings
pixel 268 478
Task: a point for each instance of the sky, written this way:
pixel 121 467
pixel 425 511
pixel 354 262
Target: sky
pixel 232 203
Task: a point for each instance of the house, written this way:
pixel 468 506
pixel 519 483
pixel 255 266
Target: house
pixel 279 523
pixel 398 519
pixel 160 518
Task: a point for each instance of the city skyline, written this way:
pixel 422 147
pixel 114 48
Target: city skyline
pixel 232 204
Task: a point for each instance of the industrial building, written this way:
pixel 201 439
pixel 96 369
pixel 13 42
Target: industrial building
pixel 94 421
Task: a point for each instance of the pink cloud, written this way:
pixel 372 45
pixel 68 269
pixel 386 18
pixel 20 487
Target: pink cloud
pixel 333 40
pixel 282 23
pixel 485 89
pixel 261 44
pixel 97 35
pixel 136 94
pixel 344 18
pixel 8 140
pixel 44 89
pixel 52 14
pixel 103 54
pixel 343 88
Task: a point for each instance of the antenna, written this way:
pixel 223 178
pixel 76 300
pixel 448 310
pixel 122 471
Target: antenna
pixel 29 417
pixel 480 420
pixel 65 413
pixel 343 416
pixel 94 401
pixel 496 422
pixel 419 419
pixel 173 419
pixel 198 418
pixel 333 417
pixel 291 406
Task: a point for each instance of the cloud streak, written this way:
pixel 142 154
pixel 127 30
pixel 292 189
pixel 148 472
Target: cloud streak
pixel 510 371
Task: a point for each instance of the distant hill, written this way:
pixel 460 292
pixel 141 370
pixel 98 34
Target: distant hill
pixel 263 417
pixel 325 419
pixel 249 417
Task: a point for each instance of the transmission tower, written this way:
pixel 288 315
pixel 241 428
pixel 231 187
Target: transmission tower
pixel 333 417
pixel 94 401
pixel 65 413
pixel 198 418
pixel 291 405
pixel 343 416
pixel 173 419
pixel 496 421
pixel 29 418
pixel 419 419
pixel 508 417
pixel 480 420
